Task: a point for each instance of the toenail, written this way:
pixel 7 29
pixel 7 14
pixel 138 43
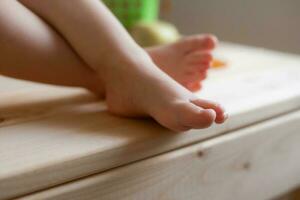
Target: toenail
pixel 212 113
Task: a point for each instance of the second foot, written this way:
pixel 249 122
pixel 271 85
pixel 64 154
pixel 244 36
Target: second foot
pixel 187 60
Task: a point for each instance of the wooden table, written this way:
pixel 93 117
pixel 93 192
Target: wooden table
pixel 60 143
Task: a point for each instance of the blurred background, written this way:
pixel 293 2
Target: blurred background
pixel 273 24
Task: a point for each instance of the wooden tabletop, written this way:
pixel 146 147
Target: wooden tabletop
pixel 52 135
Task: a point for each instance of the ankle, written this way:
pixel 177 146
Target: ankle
pixel 95 85
pixel 124 66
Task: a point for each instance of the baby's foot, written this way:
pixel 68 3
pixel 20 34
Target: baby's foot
pixel 187 60
pixel 142 89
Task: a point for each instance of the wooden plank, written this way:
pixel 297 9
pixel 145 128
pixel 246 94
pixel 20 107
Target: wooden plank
pixel 17 94
pixel 77 138
pixel 24 101
pixel 21 106
pixel 259 162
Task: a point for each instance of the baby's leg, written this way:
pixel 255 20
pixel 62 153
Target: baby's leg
pixel 186 61
pixel 134 85
pixel 30 49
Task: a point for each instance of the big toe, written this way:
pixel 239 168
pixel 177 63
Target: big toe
pixel 186 115
pixel 221 114
pixel 199 42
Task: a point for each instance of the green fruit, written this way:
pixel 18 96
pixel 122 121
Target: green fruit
pixel 154 33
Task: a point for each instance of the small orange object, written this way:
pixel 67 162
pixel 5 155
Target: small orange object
pixel 216 63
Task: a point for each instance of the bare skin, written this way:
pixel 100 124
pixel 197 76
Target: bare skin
pixel 50 57
pixel 31 50
pixel 187 60
pixel 120 64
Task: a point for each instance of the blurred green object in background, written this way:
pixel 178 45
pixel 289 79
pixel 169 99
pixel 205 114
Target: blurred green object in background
pixel 131 11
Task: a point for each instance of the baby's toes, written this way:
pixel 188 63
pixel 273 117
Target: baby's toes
pixel 198 42
pixel 200 57
pixel 220 111
pixel 203 75
pixel 186 115
pixel 194 87
pixel 190 115
pixel 192 80
pixel 194 76
pixel 199 60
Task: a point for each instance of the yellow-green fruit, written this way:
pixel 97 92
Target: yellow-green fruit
pixel 154 33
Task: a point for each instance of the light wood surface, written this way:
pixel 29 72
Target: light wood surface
pixel 259 162
pixel 50 135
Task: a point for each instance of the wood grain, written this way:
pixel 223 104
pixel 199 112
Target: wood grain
pixel 53 135
pixel 259 162
pixel 28 105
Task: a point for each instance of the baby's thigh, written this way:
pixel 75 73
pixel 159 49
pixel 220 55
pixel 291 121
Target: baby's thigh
pixel 26 39
pixel 19 26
